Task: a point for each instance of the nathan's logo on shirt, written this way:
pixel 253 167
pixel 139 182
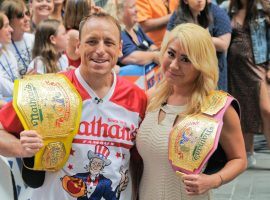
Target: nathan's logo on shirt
pixel 36 112
pixel 101 129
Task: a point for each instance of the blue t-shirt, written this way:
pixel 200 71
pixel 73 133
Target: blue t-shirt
pixel 221 25
pixel 130 46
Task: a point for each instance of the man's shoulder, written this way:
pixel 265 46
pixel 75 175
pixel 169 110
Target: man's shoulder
pixel 125 85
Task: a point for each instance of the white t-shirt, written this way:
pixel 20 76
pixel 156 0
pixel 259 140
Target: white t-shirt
pixel 23 51
pixel 8 72
pixel 41 68
pixel 107 131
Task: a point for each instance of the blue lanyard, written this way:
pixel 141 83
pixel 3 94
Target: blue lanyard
pixel 22 72
pixel 8 71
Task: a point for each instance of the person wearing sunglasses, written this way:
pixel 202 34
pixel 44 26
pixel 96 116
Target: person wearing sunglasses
pixel 21 40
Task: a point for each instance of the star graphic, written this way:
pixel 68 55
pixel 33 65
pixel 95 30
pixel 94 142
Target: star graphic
pixel 70 166
pixel 118 154
pixel 72 152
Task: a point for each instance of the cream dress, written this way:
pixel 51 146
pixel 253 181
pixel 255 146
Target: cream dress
pixel 159 181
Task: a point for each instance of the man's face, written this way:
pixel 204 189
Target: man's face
pixel 99 47
pixel 96 166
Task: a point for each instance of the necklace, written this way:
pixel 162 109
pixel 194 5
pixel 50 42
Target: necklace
pixel 8 69
pixel 24 70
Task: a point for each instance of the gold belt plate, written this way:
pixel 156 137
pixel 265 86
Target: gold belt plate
pixel 50 105
pixel 191 141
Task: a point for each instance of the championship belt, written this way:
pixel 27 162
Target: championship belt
pixel 52 106
pixel 194 139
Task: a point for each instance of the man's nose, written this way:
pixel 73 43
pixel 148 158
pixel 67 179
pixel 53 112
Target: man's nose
pixel 100 48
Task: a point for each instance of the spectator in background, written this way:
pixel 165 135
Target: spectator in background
pixel 75 11
pixel 137 48
pixel 209 16
pixel 8 64
pixel 248 62
pixel 22 41
pixel 153 16
pixel 50 43
pixel 40 10
pixel 58 11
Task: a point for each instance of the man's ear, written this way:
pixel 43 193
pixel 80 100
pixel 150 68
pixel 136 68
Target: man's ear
pixel 52 39
pixel 120 49
pixel 77 50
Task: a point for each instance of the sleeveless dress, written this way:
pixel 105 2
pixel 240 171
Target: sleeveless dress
pixel 159 181
pixel 245 78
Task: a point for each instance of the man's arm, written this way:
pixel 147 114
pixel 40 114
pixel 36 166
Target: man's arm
pixel 27 146
pixel 10 146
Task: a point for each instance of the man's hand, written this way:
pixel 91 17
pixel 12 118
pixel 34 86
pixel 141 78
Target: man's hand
pixel 31 143
pixel 124 179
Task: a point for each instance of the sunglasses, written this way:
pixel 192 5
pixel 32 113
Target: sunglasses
pixel 21 15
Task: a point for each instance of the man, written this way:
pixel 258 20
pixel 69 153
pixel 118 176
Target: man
pixel 111 113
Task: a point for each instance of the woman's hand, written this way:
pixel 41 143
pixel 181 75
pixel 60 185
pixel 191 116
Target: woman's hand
pixel 196 184
pixel 31 143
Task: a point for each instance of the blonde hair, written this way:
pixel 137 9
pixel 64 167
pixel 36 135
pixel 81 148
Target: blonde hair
pixel 116 9
pixel 197 43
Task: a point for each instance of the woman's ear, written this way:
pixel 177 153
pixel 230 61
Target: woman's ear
pixel 52 39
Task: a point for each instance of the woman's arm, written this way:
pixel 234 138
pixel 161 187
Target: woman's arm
pixel 222 42
pixel 232 142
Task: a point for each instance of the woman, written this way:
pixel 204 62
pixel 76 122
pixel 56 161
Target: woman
pixel 8 64
pixel 138 48
pixel 248 63
pixel 22 41
pixel 209 16
pixel 190 77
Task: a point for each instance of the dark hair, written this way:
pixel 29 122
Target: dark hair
pixel 100 15
pixel 252 10
pixel 43 46
pixel 75 11
pixel 184 15
pixel 13 8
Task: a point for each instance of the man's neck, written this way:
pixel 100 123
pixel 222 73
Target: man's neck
pixel 100 85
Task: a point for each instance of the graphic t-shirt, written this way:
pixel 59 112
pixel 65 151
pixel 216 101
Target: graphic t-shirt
pixel 100 153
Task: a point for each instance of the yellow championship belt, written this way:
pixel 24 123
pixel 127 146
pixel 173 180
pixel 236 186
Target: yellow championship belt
pixel 52 106
pixel 194 139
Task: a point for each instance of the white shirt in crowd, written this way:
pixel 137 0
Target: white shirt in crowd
pixel 23 51
pixel 40 66
pixel 8 72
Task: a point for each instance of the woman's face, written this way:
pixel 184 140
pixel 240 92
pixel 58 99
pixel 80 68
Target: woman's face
pixel 5 31
pixel 42 8
pixel 196 6
pixel 130 12
pixel 21 22
pixel 178 69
